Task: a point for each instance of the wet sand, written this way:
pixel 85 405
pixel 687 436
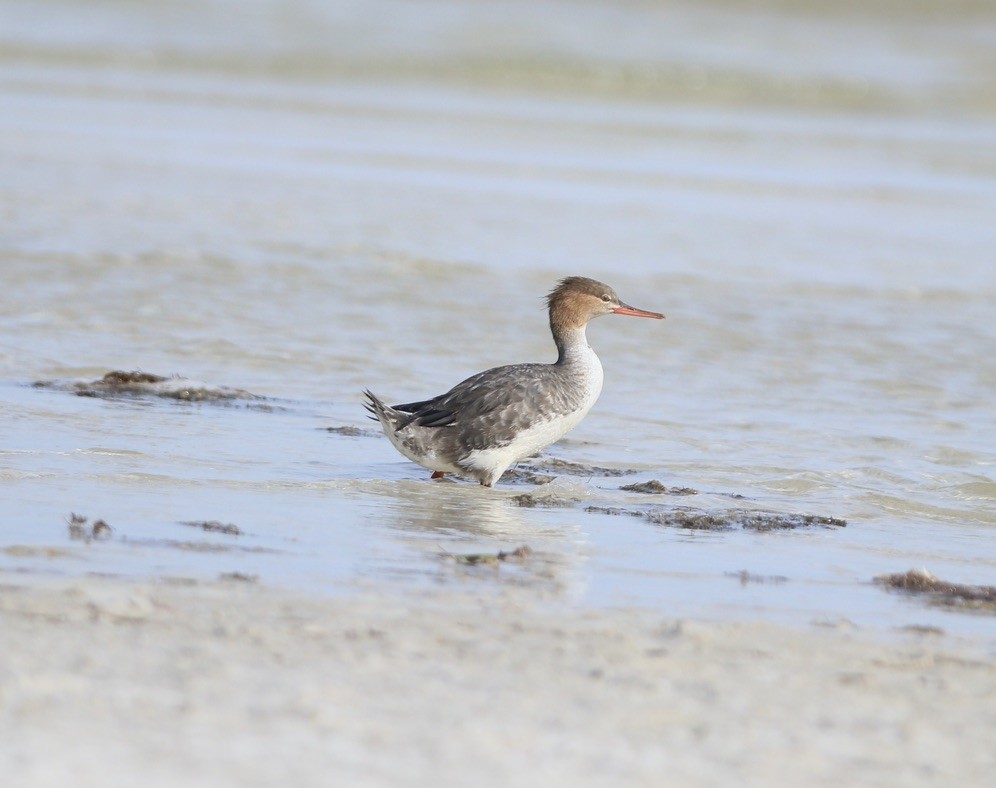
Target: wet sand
pixel 231 683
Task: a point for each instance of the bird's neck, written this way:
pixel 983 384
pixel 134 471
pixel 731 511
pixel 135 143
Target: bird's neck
pixel 572 344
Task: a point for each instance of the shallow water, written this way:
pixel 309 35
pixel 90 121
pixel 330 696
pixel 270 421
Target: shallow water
pixel 258 209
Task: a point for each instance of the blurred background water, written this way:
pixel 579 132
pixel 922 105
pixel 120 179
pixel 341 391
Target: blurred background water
pixel 304 199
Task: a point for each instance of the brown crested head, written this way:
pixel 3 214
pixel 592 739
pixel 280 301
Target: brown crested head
pixel 577 299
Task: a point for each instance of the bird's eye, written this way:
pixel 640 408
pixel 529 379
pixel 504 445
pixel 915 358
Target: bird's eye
pixel 606 298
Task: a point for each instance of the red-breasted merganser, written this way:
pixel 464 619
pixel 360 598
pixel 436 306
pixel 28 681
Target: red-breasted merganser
pixel 498 417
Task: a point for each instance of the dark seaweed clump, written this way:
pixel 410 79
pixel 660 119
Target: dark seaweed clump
pixel 118 383
pixel 746 578
pixel 654 487
pixel 530 501
pixel 941 593
pixel 558 467
pixel 490 559
pixel 524 476
pixel 543 470
pixel 728 520
pixel 119 378
pixel 350 431
pixel 238 577
pixel 214 526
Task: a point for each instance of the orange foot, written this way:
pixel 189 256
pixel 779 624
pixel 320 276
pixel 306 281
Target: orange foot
pixel 437 474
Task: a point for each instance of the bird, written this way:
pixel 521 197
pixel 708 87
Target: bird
pixel 500 416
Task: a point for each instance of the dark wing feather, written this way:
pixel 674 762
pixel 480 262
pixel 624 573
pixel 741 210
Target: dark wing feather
pixel 487 399
pixel 414 407
pixel 425 414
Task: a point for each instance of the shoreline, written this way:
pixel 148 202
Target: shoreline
pixel 105 682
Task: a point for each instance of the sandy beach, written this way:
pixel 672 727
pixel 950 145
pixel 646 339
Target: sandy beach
pixel 110 684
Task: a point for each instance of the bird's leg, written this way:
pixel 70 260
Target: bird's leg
pixel 437 474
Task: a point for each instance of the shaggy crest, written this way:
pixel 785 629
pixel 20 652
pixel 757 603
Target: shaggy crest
pixel 579 284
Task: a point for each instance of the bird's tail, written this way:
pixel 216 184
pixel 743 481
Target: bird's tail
pixel 377 409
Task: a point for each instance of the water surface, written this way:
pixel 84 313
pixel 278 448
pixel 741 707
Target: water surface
pixel 312 199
